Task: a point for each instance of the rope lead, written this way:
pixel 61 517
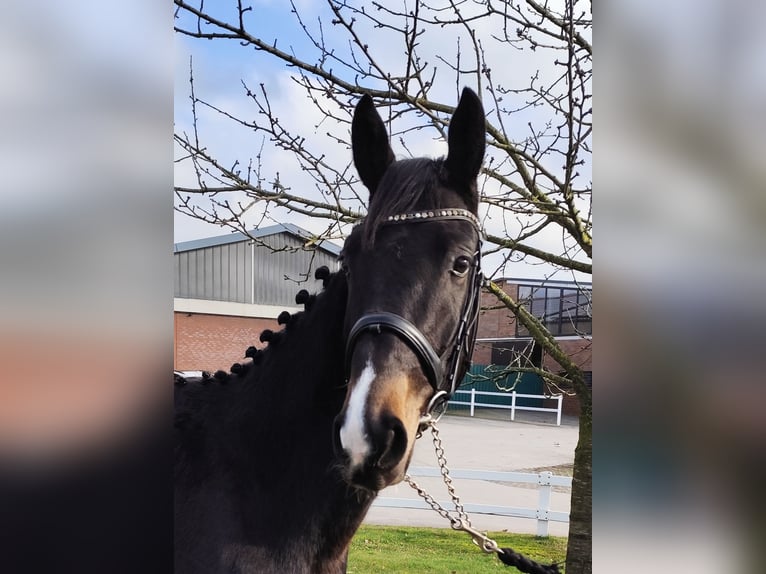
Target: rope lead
pixel 511 558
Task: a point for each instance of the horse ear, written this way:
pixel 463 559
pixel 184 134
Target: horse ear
pixel 369 143
pixel 467 133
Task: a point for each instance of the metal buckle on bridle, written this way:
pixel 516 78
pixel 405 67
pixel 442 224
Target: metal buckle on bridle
pixel 435 408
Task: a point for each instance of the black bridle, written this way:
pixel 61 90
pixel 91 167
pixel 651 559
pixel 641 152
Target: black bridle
pixel 446 371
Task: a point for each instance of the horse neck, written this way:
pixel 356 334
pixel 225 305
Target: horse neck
pixel 298 390
pixel 255 463
pixel 294 386
pixel 301 370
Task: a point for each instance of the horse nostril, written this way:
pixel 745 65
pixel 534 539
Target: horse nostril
pixel 392 443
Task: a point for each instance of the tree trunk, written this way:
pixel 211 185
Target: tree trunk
pixel 579 547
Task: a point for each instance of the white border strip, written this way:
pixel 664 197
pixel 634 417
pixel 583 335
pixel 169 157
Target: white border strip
pixel 205 307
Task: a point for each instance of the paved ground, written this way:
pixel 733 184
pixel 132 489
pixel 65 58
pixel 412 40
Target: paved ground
pixel 490 441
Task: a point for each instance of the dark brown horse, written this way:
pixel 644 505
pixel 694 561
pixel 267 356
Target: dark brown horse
pixel 278 461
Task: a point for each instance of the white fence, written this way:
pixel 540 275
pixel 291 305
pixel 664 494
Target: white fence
pixel 544 480
pixel 513 406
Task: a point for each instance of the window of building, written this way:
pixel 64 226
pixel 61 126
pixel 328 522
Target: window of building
pixel 563 311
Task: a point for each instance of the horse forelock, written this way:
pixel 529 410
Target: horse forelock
pixel 407 185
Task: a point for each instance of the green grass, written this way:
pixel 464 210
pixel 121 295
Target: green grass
pixel 406 550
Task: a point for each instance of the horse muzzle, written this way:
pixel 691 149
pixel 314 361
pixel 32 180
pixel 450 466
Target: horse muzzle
pixel 383 459
pixel 375 432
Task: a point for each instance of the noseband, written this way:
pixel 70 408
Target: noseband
pixel 443 372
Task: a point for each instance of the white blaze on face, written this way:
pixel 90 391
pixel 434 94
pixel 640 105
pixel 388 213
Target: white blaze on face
pixel 353 437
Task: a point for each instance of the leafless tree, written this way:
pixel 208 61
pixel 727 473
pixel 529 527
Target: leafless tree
pixel 531 62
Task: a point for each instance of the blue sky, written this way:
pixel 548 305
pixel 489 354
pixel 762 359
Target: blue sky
pixel 222 65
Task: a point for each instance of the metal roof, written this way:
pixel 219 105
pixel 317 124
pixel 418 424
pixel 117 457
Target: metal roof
pixel 257 233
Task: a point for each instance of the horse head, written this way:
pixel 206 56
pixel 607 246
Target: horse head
pixel 413 274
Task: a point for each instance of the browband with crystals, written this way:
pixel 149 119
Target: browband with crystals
pixel 437 214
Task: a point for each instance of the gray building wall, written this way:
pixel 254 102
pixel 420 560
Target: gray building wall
pixel 268 272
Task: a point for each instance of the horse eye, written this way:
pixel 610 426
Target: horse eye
pixel 461 266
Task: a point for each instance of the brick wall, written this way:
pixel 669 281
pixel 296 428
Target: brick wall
pixel 495 320
pixel 211 342
pixel 580 351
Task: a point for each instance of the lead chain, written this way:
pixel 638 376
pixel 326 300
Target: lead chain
pixel 459 519
pixel 442 460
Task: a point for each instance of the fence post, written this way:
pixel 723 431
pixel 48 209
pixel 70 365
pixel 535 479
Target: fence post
pixel 544 502
pixel 473 398
pixel 558 412
pixel 513 405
